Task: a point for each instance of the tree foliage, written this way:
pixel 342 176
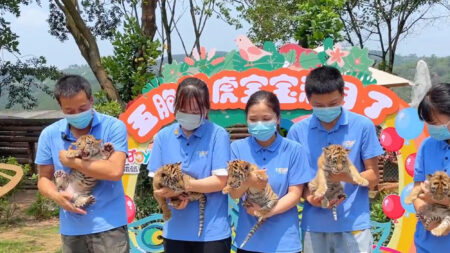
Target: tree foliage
pixel 19 79
pixel 130 67
pixel 318 20
pixel 385 21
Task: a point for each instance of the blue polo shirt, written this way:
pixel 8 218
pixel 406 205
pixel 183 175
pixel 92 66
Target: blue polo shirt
pixel 433 156
pixel 356 133
pixel 287 164
pixel 204 153
pixel 109 210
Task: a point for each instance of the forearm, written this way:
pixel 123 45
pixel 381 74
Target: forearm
pixel 206 185
pixel 291 199
pixel 99 169
pixel 47 188
pixel 371 176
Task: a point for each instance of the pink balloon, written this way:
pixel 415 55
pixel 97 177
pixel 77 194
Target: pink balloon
pixel 409 164
pixel 392 207
pixel 390 140
pixel 131 208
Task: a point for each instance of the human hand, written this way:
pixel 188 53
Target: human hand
pixel 64 200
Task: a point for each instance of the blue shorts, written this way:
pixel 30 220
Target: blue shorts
pixel 348 242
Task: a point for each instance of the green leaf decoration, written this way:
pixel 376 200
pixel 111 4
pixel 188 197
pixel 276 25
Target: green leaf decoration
pixel 154 83
pixel 309 61
pixel 290 56
pixel 172 72
pixel 358 60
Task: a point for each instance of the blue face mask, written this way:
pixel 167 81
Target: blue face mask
pixel 262 130
pixel 439 132
pixel 189 121
pixel 327 114
pixel 80 120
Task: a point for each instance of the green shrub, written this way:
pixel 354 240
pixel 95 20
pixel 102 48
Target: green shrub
pixel 42 208
pixel 143 198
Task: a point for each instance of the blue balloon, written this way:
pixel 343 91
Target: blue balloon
pixel 405 192
pixel 408 125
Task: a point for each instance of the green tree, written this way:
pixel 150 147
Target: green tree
pixel 19 79
pixel 386 22
pixel 309 22
pixel 318 20
pixel 130 67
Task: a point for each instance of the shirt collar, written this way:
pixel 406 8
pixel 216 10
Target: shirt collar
pixel 271 148
pixel 343 120
pixel 443 144
pixel 199 132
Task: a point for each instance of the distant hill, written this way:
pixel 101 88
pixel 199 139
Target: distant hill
pixel 404 67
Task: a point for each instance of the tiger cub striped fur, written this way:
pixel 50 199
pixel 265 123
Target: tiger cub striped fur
pixel 439 189
pixel 239 172
pixel 76 183
pixel 172 177
pixel 333 160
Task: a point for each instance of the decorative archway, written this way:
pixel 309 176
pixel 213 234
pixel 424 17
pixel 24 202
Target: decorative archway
pixel 231 80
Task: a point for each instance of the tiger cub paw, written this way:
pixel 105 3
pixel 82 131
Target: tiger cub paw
pixel 439 231
pixel 320 192
pixel 107 150
pixel 361 181
pixel 73 153
pixel 83 201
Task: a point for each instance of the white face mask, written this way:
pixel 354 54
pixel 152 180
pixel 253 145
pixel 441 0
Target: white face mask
pixel 189 121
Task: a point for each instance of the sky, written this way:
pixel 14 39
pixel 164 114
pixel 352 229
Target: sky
pixel 35 40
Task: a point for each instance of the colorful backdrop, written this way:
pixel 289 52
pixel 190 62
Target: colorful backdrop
pixel 232 78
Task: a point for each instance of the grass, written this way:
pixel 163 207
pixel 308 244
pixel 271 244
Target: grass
pixel 36 239
pixel 10 246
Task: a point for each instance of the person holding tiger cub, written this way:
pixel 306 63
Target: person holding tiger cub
pixel 271 170
pixel 202 149
pixel 343 147
pixel 433 158
pixel 97 222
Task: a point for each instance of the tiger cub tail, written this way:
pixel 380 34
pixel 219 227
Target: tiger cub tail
pixel 253 230
pixel 202 205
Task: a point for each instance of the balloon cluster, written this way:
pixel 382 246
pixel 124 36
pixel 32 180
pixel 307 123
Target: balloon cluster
pixel 408 126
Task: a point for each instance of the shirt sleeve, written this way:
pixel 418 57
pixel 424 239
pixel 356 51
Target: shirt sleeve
pixel 118 136
pixel 300 170
pixel 419 166
pixel 44 152
pixel 221 153
pixel 155 161
pixel 370 144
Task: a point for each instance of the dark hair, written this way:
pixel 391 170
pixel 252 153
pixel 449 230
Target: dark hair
pixel 192 88
pixel 437 99
pixel 324 80
pixel 70 85
pixel 265 97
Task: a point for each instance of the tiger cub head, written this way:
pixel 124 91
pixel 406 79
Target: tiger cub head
pixel 336 160
pixel 89 146
pixel 171 176
pixel 439 185
pixel 238 172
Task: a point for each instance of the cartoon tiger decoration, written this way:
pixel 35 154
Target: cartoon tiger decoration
pixel 439 189
pixel 239 172
pixel 76 183
pixel 333 160
pixel 172 177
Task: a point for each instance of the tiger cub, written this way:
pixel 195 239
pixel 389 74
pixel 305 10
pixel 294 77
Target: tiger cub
pixel 439 189
pixel 172 177
pixel 76 183
pixel 239 172
pixel 333 160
